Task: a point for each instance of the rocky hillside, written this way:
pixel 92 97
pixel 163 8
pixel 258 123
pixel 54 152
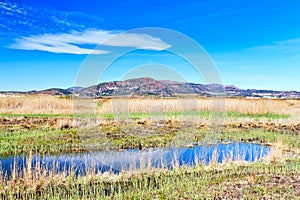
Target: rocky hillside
pixel 52 91
pixel 164 88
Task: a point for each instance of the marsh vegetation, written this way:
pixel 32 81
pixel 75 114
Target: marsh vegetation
pixel 49 126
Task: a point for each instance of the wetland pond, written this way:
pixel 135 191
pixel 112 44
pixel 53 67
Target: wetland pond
pixel 132 159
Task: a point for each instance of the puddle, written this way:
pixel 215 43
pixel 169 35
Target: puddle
pixel 131 159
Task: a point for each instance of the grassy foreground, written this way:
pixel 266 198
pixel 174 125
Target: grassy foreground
pixel 47 125
pixel 276 177
pixel 240 181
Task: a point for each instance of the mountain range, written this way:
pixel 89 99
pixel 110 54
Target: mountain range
pixel 162 88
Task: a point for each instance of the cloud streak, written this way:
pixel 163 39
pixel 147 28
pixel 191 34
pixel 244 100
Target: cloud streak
pixel 292 45
pixel 22 19
pixel 71 43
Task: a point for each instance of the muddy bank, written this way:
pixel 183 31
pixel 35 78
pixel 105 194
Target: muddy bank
pixel 140 125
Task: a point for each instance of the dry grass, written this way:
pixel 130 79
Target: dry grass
pixel 39 104
pixel 55 105
pixel 241 105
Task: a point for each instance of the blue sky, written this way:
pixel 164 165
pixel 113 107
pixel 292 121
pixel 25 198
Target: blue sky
pixel 44 43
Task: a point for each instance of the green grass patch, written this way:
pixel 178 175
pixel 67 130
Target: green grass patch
pixel 42 140
pixel 262 136
pixel 166 115
pixel 122 136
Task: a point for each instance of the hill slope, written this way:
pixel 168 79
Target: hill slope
pixel 163 88
pixel 149 86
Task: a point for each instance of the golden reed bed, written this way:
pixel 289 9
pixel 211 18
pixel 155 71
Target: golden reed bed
pixel 43 104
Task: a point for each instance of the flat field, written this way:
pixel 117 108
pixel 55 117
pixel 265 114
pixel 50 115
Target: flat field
pixel 52 125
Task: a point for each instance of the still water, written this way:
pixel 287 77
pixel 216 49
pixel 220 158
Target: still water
pixel 131 159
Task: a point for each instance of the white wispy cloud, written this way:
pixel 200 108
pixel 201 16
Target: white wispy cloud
pixel 70 43
pixel 292 45
pixel 140 41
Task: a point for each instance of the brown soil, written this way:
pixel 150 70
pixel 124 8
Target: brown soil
pixel 142 125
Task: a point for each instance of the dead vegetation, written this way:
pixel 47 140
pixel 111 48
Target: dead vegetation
pixel 242 105
pixel 35 104
pixel 44 104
